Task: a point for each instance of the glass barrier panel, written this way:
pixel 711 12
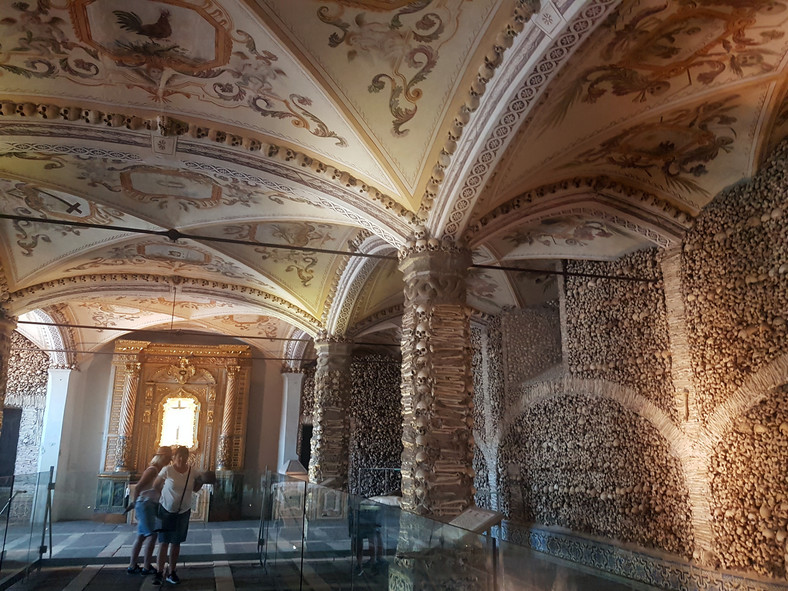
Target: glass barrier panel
pixel 285 528
pixel 9 561
pixel 94 519
pixel 434 555
pixel 328 539
pixel 23 495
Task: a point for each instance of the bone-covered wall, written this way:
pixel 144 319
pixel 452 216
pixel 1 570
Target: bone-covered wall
pixel 617 330
pixel 666 425
pixel 307 401
pixel 586 463
pixel 28 373
pixel 483 406
pixel 376 425
pixel 735 283
pixel 532 338
pixel 574 455
pixel 508 348
pixel 749 486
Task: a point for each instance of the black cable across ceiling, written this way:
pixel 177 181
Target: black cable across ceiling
pixel 174 235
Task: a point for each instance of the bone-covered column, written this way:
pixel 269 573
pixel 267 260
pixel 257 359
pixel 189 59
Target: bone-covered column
pixel 331 430
pixel 7 326
pixel 437 387
pixel 126 425
pixel 224 451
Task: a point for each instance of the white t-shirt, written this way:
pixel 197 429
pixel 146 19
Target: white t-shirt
pixel 174 483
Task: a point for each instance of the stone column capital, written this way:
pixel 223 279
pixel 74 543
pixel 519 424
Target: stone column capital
pixel 333 346
pixel 434 255
pixel 132 368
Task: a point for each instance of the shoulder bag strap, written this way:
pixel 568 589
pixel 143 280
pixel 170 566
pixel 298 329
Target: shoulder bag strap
pixel 185 486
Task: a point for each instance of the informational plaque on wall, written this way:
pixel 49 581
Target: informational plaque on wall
pixel 476 519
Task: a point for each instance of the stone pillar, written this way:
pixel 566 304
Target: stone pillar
pixel 331 420
pixel 292 379
pixel 225 448
pixel 437 387
pixel 126 424
pixel 7 327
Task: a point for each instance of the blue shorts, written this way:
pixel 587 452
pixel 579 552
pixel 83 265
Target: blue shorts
pixel 145 510
pixel 177 535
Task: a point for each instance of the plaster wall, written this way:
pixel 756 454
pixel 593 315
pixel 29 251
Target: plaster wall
pixel 265 410
pixel 82 439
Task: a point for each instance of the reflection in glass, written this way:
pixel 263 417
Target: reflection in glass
pixel 179 422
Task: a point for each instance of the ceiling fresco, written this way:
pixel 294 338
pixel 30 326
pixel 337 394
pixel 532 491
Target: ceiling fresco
pixel 565 237
pixel 396 67
pixel 155 57
pixel 668 96
pixel 222 165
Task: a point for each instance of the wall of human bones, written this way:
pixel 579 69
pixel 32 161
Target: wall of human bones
pixel 666 424
pixel 376 425
pixel 735 280
pixel 28 372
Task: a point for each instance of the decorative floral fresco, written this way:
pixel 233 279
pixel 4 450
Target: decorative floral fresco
pixel 299 234
pixel 159 48
pixel 667 97
pixel 252 324
pixel 395 65
pixel 182 307
pixel 111 315
pixel 175 257
pixel 675 148
pixel 560 236
pixel 661 47
pixel 162 187
pixel 411 52
pixel 26 200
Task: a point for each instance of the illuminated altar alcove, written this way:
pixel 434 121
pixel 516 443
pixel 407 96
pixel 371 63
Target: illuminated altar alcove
pixel 179 421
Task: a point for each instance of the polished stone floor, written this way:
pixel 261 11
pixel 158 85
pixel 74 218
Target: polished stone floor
pixel 224 556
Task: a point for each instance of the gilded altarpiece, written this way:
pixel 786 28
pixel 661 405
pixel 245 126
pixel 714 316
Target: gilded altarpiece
pixel 206 387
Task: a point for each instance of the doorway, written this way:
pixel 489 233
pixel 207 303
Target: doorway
pixel 9 440
pixel 306 446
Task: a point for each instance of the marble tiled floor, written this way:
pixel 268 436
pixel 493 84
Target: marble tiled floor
pixel 223 556
pixel 247 576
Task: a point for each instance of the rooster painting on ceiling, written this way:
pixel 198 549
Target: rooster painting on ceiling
pixel 130 21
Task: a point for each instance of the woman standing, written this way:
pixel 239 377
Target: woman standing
pixel 146 501
pixel 176 483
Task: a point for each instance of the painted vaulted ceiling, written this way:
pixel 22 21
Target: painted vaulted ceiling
pixel 171 145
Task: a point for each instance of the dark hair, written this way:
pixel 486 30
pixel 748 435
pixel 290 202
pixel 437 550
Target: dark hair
pixel 181 450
